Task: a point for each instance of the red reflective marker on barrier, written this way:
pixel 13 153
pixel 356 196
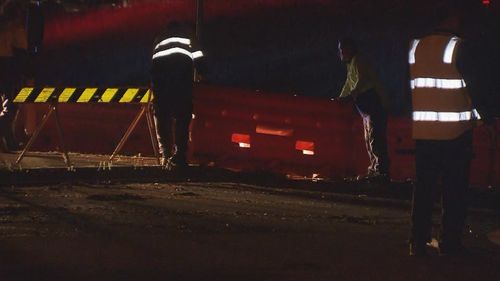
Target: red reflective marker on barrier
pixel 241 139
pixel 307 147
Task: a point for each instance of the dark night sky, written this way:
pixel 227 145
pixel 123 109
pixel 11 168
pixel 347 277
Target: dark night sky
pixel 286 49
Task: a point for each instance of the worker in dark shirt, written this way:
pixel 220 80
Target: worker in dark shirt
pixel 172 73
pixel 13 57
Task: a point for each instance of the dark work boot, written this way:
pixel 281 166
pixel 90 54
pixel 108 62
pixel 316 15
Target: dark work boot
pixel 418 249
pixel 177 162
pixel 452 249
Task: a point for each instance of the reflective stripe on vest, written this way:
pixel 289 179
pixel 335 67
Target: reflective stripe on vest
pixel 450 50
pixel 434 116
pixel 437 83
pixel 411 55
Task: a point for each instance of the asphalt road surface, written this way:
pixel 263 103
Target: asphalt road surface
pixel 219 231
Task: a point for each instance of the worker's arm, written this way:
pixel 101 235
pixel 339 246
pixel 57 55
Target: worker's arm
pixel 20 50
pixel 199 60
pixel 346 90
pixel 350 82
pixel 476 67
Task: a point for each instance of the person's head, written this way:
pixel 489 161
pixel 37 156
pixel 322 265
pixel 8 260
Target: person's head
pixel 12 10
pixel 174 25
pixel 448 16
pixel 347 49
pixel 180 27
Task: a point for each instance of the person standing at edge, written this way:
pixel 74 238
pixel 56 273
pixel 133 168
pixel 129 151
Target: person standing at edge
pixel 13 62
pixel 173 62
pixel 362 87
pixel 443 117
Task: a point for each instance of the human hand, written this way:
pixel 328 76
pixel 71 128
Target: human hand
pixel 346 99
pixel 198 78
pixel 488 121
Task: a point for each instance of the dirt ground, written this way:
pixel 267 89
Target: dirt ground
pixel 218 231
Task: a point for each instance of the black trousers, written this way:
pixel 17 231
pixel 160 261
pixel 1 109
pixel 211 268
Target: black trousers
pixel 451 160
pixel 172 81
pixel 9 79
pixel 173 109
pixel 374 117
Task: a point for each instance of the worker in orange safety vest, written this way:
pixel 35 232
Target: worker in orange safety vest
pixel 443 117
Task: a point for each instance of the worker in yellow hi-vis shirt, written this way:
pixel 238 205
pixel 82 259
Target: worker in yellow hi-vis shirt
pixel 13 46
pixel 362 87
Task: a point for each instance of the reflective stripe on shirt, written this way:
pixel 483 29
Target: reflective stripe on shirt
pixel 170 40
pixel 197 54
pixel 178 50
pixel 446 116
pixel 437 83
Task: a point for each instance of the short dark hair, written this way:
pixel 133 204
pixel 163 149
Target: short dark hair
pixel 174 25
pixel 448 8
pixel 12 9
pixel 349 44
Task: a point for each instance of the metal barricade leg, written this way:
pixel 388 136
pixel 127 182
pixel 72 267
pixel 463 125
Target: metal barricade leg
pixel 52 109
pixel 152 133
pixel 128 132
pixel 61 139
pixel 35 134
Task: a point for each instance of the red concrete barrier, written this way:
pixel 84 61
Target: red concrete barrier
pixel 247 130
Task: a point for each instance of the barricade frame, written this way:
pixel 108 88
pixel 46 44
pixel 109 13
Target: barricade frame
pixel 48 95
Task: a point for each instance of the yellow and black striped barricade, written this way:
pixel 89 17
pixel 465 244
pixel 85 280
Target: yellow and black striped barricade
pixel 55 96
